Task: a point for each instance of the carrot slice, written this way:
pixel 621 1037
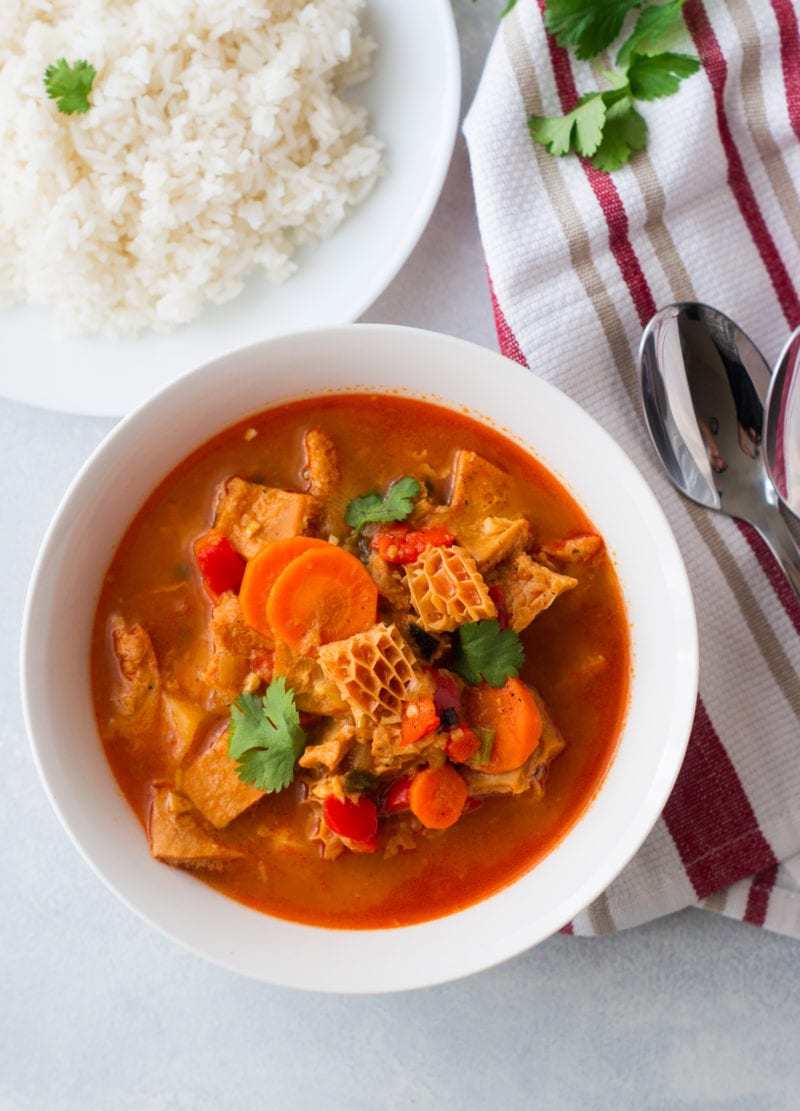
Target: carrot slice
pixel 324 594
pixel 512 714
pixel 262 571
pixel 437 796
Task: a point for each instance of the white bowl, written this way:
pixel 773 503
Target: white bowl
pixel 145 446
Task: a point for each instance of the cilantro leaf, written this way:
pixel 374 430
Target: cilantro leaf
pixel 395 506
pixel 625 131
pixel 657 75
pixel 265 737
pixel 587 25
pixel 653 27
pixel 485 651
pixel 580 130
pixel 70 85
pixel 604 125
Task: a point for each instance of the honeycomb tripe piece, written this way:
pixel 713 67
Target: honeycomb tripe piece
pixel 372 670
pixel 447 589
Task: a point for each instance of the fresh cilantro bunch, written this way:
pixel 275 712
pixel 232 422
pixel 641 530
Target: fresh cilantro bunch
pixel 265 737
pixel 70 85
pixel 486 652
pixel 395 506
pixel 605 125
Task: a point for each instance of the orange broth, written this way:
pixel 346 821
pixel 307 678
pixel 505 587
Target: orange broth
pixel 153 580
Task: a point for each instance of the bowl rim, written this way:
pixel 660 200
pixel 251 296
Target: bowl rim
pixel 403 963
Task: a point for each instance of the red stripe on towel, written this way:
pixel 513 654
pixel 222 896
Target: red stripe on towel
pixel 508 341
pixel 758 897
pixel 778 581
pixel 716 69
pixel 790 57
pixel 613 208
pixel 708 814
pixel 607 194
pixel 710 818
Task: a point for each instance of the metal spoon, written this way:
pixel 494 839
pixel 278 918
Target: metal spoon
pixel 703 386
pixel 782 425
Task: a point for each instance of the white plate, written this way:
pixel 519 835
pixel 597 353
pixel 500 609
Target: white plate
pixel 414 99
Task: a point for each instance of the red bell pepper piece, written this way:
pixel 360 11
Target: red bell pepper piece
pixel 419 719
pixel 400 544
pixel 461 744
pixel 357 821
pixel 396 797
pixel 446 696
pixel 220 564
pixel 368 845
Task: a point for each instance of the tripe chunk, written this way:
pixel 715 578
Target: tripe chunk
pixel 213 784
pixel 252 515
pixel 177 835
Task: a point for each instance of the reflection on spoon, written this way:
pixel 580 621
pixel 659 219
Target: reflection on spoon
pixel 782 425
pixel 703 385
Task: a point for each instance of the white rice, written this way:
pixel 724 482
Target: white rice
pixel 218 141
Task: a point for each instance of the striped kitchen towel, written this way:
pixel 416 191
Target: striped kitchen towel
pixel 578 262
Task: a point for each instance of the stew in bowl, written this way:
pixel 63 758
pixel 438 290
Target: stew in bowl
pixel 358 660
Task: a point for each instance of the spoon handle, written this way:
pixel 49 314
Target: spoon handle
pixel 782 544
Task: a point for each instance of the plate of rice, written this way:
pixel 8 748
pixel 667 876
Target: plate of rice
pixel 180 178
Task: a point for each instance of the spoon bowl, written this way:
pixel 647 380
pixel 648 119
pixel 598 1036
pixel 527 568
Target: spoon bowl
pixel 704 383
pixel 782 425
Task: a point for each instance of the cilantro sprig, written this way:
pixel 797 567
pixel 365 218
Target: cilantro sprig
pixel 605 125
pixel 396 504
pixel 70 85
pixel 484 651
pixel 265 737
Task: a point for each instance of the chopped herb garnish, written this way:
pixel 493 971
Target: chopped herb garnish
pixel 70 85
pixel 394 506
pixel 357 780
pixel 487 652
pixel 486 737
pixel 265 737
